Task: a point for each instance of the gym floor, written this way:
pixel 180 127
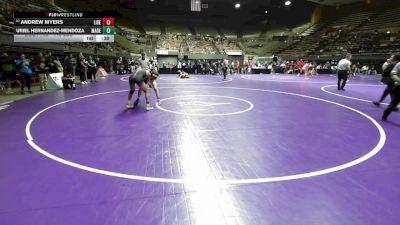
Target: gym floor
pixel 252 149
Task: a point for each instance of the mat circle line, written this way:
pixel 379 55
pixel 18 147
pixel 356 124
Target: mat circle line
pixel 374 151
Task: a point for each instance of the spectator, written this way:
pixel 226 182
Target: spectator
pixel 68 80
pixel 91 69
pixel 8 71
pixel 82 69
pixel 71 65
pixel 57 67
pixel 24 68
pixel 40 69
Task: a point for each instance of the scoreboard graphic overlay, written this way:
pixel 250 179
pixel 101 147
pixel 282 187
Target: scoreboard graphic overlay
pixel 63 27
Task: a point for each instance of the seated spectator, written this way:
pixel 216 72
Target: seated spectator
pixel 68 80
pixel 364 69
pixel 372 71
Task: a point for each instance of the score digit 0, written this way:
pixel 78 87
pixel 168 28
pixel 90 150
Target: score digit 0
pixel 108 30
pixel 108 21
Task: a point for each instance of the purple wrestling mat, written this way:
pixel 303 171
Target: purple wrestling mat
pixel 253 149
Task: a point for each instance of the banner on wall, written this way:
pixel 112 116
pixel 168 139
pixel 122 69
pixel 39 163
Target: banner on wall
pixel 232 52
pixel 54 81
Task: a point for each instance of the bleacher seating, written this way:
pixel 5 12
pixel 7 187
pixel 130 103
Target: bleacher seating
pixel 152 28
pixel 378 34
pixel 176 29
pixel 362 32
pixel 229 33
pixel 388 18
pixel 224 44
pixel 210 31
pixel 352 20
pixel 200 44
pixel 170 42
pixel 334 38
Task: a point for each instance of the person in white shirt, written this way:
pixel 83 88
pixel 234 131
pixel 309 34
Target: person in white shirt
pixel 344 67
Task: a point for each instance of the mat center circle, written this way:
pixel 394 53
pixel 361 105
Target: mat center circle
pixel 205 105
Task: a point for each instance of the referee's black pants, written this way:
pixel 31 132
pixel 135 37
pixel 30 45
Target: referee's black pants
pixel 225 71
pixel 389 90
pixel 342 79
pixel 394 103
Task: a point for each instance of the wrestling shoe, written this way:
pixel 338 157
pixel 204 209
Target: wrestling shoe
pixel 129 105
pixel 376 103
pixel 148 107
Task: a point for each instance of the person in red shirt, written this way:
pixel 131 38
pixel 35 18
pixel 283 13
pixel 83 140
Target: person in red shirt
pixel 299 66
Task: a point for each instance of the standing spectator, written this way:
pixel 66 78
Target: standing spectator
pixel 91 69
pixel 120 65
pixel 49 65
pixel 153 64
pixel 237 66
pixel 232 67
pixel 288 67
pixel 305 69
pixel 8 71
pixel 23 67
pixel 246 66
pixel 357 69
pixel 40 69
pixel 57 67
pixel 131 66
pixel 250 66
pixel 299 66
pixel 71 65
pixel 82 69
pixel 110 65
pixel 179 66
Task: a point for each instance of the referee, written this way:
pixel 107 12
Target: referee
pixel 395 75
pixel 387 68
pixel 344 67
pixel 225 65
